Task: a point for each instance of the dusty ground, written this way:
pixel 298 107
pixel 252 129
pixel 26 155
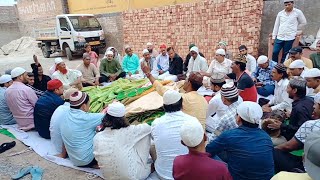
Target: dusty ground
pixel 11 165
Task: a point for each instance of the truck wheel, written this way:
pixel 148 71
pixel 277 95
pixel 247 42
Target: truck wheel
pixel 45 51
pixel 69 53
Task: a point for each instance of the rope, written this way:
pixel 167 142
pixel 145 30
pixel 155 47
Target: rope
pixel 21 152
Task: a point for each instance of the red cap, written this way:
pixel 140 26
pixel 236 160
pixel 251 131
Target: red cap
pixel 54 84
pixel 163 46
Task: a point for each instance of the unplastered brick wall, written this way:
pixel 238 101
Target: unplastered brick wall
pixel 204 23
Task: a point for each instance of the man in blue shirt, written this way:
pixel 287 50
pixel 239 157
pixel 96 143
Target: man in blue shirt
pixel 248 148
pixel 6 117
pixel 46 105
pixel 130 63
pixel 262 76
pixel 78 131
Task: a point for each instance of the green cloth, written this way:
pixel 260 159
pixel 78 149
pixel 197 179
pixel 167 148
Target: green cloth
pixel 110 67
pixel 7 133
pixel 298 152
pixel 315 58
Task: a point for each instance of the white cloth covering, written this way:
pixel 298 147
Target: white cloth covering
pixel 251 64
pixel 250 112
pixel 123 153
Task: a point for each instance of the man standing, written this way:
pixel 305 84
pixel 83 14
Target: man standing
pixel 248 148
pixel 21 99
pixel 251 61
pixel 153 53
pixel 295 54
pixel 68 77
pixel 40 80
pixel 196 63
pixel 186 61
pixel 110 69
pixel 130 62
pixel 315 57
pixel 175 66
pixel 90 73
pixel 263 76
pixel 162 62
pixel 244 83
pixel 289 24
pixel 302 108
pixel 6 117
pixel 30 83
pixel 45 107
pixel 312 77
pixel 166 133
pixel 197 164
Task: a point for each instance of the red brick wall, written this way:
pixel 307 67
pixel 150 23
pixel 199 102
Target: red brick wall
pixel 204 23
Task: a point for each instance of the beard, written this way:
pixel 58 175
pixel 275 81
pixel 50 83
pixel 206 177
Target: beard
pixel 62 70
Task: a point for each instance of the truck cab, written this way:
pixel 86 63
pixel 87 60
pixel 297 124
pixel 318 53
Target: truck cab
pixel 71 33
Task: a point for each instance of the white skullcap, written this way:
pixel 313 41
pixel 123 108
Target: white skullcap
pixel 171 97
pixel 297 64
pixel 250 112
pixel 284 1
pixel 317 98
pixel 5 78
pixel 229 90
pixel 149 44
pixel 221 52
pixel 68 92
pixel 195 49
pixel 145 51
pixel 312 73
pixel 58 60
pixel 127 47
pixel 262 59
pixel 17 72
pixel 191 133
pixel 109 53
pixel 116 109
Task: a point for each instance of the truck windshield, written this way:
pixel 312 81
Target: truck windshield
pixel 85 23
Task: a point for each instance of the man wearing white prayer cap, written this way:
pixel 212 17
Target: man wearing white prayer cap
pixel 68 77
pixel 77 122
pixel 263 76
pixel 166 134
pixel 153 52
pixel 6 117
pixel 197 164
pixel 149 61
pixel 297 68
pixel 312 77
pixel 197 63
pixel 110 68
pixel 284 160
pixel 219 67
pixel 245 143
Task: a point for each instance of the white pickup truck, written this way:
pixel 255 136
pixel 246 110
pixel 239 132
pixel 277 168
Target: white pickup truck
pixel 71 33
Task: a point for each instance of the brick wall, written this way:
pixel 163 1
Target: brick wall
pixel 38 14
pixel 204 23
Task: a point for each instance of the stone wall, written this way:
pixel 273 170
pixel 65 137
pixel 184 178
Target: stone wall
pixel 271 8
pixel 9 29
pixel 204 23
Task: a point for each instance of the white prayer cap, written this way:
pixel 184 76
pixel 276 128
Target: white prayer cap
pixel 116 109
pixel 17 72
pixel 109 53
pixel 317 98
pixel 191 133
pixel 312 73
pixel 195 49
pixel 145 51
pixel 297 64
pixel 171 97
pixel 58 60
pixel 221 52
pixel 262 59
pixel 229 90
pixel 149 44
pixel 68 92
pixel 5 78
pixel 284 1
pixel 127 47
pixel 250 112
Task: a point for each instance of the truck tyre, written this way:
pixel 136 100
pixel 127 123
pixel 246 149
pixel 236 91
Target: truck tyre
pixel 45 51
pixel 68 53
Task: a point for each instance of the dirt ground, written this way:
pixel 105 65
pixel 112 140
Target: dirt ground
pixel 11 165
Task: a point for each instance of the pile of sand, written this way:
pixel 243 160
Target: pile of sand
pixel 20 47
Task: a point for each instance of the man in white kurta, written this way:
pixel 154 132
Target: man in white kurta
pixel 196 62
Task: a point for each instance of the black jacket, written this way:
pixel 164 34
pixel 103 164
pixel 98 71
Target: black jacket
pixel 176 65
